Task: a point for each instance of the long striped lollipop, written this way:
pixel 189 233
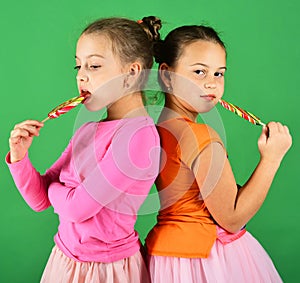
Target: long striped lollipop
pixel 64 107
pixel 241 112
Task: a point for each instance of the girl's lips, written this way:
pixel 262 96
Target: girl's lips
pixel 86 95
pixel 209 97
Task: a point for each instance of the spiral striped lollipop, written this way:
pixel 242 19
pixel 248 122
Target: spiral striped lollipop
pixel 64 107
pixel 241 112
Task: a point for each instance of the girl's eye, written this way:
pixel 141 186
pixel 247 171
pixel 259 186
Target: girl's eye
pixel 94 66
pixel 199 72
pixel 218 74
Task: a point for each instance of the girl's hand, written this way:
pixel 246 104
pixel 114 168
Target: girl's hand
pixel 21 138
pixel 274 142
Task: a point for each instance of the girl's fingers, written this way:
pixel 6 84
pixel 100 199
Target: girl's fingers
pixel 27 128
pixel 20 132
pixel 26 131
pixel 272 126
pixel 264 135
pixel 280 128
pixel 276 127
pixel 30 122
pixel 286 130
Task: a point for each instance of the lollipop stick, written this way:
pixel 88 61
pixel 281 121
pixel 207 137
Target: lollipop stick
pixel 45 120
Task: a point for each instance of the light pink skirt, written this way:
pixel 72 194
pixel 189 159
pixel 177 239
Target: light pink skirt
pixel 62 269
pixel 240 261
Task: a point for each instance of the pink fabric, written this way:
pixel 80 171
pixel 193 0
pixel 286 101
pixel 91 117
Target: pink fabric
pixel 242 261
pixel 225 237
pixel 61 269
pixel 96 187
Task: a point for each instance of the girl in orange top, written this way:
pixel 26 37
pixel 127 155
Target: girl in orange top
pixel 200 234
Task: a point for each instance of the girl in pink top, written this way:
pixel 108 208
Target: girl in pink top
pixel 102 178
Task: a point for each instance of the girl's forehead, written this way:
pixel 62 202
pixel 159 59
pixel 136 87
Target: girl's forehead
pixel 94 44
pixel 202 50
pixel 97 39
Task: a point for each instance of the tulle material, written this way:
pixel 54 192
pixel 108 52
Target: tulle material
pixel 61 269
pixel 241 261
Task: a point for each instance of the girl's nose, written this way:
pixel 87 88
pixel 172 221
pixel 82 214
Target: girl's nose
pixel 210 83
pixel 81 77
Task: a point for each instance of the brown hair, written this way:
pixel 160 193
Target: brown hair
pixel 169 50
pixel 130 40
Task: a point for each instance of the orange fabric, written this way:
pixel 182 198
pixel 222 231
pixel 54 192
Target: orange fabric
pixel 184 226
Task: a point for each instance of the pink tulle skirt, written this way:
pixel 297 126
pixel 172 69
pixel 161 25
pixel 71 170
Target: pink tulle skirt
pixel 62 269
pixel 240 261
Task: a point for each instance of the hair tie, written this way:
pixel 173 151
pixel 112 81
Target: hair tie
pixel 139 21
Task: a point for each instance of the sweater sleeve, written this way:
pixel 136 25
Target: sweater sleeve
pixel 31 184
pixel 131 162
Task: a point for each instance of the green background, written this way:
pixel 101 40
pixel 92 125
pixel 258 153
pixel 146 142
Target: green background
pixel 37 58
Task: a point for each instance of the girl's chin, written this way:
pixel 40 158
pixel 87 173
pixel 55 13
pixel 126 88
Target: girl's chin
pixel 93 107
pixel 205 109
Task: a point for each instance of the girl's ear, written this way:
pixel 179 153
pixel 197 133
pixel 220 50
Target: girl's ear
pixel 165 75
pixel 133 74
pixel 135 69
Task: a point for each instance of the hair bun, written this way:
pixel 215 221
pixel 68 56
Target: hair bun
pixel 151 26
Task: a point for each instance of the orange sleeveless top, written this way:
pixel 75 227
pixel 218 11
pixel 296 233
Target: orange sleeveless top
pixel 184 226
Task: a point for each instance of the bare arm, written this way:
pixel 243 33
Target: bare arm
pixel 230 207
